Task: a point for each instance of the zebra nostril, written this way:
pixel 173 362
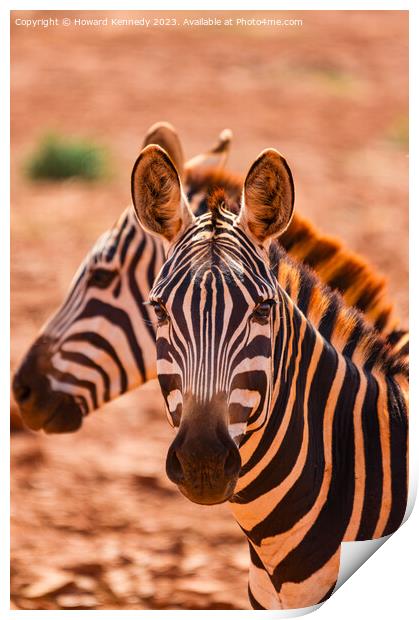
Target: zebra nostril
pixel 22 393
pixel 174 468
pixel 232 463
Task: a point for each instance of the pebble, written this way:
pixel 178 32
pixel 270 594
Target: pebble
pixel 76 601
pixel 47 584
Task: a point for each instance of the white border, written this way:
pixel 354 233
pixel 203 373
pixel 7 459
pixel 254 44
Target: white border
pixel 385 587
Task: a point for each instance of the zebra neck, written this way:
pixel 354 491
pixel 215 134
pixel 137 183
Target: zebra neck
pixel 342 326
pixel 333 447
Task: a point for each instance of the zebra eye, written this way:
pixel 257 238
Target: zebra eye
pixel 160 312
pixel 262 311
pixel 101 278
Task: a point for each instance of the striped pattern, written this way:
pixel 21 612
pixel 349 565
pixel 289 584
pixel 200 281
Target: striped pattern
pixel 324 457
pixel 341 269
pixel 102 338
pixel 212 353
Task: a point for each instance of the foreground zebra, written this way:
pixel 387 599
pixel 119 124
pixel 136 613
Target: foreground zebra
pixel 101 342
pixel 287 403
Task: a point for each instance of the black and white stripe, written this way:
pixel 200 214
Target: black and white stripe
pixel 324 455
pixel 215 351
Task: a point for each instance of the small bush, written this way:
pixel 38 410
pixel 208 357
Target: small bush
pixel 58 158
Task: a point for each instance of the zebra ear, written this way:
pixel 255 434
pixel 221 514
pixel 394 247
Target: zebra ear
pixel 216 157
pixel 165 135
pixel 157 194
pixel 268 197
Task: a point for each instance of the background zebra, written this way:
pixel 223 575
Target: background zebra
pixel 269 360
pixel 101 342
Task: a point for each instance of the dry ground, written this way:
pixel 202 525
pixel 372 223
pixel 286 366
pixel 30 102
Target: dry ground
pixel 95 522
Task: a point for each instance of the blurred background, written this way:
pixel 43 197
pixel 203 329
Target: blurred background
pixel 95 522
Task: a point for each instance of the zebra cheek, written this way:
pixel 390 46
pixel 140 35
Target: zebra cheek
pixel 117 290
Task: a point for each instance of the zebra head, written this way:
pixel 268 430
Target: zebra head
pixel 101 342
pixel 95 347
pixel 217 306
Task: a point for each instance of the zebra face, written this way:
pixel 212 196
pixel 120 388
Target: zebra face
pixel 214 301
pixel 217 307
pixel 89 352
pixel 214 352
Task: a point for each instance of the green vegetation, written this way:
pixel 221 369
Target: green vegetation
pixel 334 80
pixel 58 157
pixel 398 132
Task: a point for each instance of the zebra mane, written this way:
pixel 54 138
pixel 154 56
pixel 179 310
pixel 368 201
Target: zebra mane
pixel 212 179
pixel 361 286
pixel 343 326
pixel 218 200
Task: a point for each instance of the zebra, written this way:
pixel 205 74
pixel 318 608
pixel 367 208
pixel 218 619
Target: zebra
pixel 101 342
pixel 286 403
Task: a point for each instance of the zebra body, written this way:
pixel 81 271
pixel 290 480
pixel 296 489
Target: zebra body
pixel 249 340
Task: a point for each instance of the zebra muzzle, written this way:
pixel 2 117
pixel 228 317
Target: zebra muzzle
pixel 39 405
pixel 204 463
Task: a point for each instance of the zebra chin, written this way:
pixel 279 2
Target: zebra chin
pixel 66 417
pixel 54 412
pixel 39 405
pixel 201 484
pixel 208 497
